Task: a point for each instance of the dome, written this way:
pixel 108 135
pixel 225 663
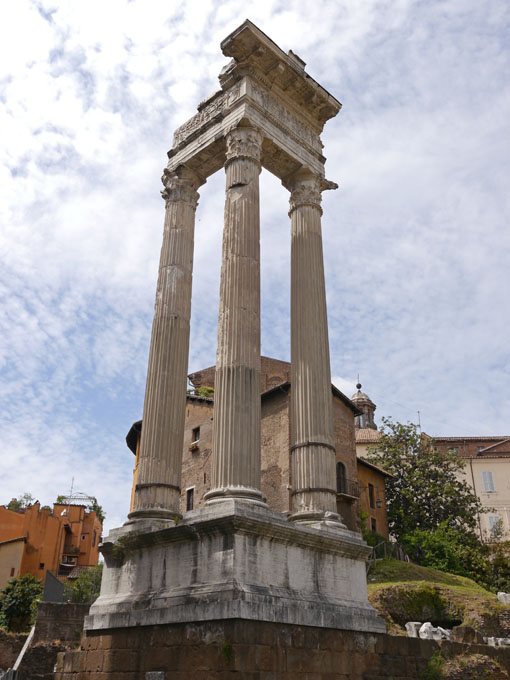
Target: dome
pixel 361 396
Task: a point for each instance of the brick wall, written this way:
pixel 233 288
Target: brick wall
pixel 256 651
pixel 196 464
pixel 275 449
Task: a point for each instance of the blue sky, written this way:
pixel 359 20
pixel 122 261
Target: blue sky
pixel 417 245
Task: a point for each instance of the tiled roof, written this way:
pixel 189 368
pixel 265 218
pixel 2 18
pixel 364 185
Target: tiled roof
pixel 460 439
pixel 362 461
pixel 366 435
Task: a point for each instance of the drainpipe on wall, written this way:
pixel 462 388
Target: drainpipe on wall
pixel 474 489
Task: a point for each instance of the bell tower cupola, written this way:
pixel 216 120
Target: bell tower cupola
pixel 367 407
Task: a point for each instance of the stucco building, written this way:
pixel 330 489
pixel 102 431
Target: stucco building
pixel 37 539
pixel 358 483
pixel 487 471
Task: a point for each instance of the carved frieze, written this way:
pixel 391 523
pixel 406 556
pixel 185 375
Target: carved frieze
pixel 216 107
pixel 283 118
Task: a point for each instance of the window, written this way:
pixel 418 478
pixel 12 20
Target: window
pixel 480 448
pixel 454 449
pixel 83 537
pixel 371 495
pixel 373 524
pixel 12 571
pixel 488 481
pixel 41 565
pixel 189 499
pixel 341 479
pixel 195 434
pixel 494 524
pixel 94 539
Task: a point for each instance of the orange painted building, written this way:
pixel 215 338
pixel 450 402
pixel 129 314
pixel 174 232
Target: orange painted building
pixel 35 540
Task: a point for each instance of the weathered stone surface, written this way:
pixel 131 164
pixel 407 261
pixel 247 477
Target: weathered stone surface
pixel 234 560
pixel 313 450
pixel 157 489
pixel 261 650
pixel 412 628
pixel 236 437
pixel 466 634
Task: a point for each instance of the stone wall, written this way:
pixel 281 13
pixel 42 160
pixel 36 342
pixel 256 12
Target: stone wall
pixel 257 650
pixel 58 621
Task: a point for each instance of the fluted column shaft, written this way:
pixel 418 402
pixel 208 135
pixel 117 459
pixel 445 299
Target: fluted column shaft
pixel 312 440
pixel 157 489
pixel 236 433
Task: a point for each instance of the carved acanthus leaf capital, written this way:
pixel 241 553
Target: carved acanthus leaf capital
pixel 181 185
pixel 244 142
pixel 306 189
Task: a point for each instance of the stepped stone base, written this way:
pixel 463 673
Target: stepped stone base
pixel 233 560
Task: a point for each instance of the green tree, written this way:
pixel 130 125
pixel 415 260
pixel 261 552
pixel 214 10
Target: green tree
pixel 425 490
pixel 94 505
pixel 17 602
pixel 86 587
pixel 22 502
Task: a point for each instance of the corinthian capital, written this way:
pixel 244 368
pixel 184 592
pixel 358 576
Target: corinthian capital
pixel 181 185
pixel 306 188
pixel 244 142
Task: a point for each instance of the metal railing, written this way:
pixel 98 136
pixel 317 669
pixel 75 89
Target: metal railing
pixel 347 487
pixel 386 550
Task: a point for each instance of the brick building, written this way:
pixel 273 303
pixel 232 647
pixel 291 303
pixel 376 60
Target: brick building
pixel 37 539
pixel 275 442
pixel 276 483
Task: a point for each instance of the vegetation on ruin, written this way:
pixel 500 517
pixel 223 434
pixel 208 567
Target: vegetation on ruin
pixel 204 391
pixel 402 591
pixel 21 503
pixel 92 505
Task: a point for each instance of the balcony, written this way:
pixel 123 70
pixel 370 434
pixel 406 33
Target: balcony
pixel 70 549
pixel 348 488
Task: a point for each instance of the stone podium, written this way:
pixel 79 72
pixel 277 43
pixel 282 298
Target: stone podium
pixel 236 558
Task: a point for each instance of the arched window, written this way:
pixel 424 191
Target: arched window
pixel 341 478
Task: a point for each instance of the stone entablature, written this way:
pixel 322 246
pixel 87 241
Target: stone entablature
pixel 272 91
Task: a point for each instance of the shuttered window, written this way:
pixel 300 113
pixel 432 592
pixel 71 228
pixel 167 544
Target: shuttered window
pixel 488 481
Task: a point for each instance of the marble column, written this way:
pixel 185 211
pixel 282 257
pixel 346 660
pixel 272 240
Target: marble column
pixel 236 432
pixel 312 440
pixel 157 489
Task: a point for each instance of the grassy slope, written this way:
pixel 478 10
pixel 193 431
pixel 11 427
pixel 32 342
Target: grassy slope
pixel 391 583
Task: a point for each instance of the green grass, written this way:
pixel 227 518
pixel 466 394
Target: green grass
pixel 394 571
pixel 400 589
